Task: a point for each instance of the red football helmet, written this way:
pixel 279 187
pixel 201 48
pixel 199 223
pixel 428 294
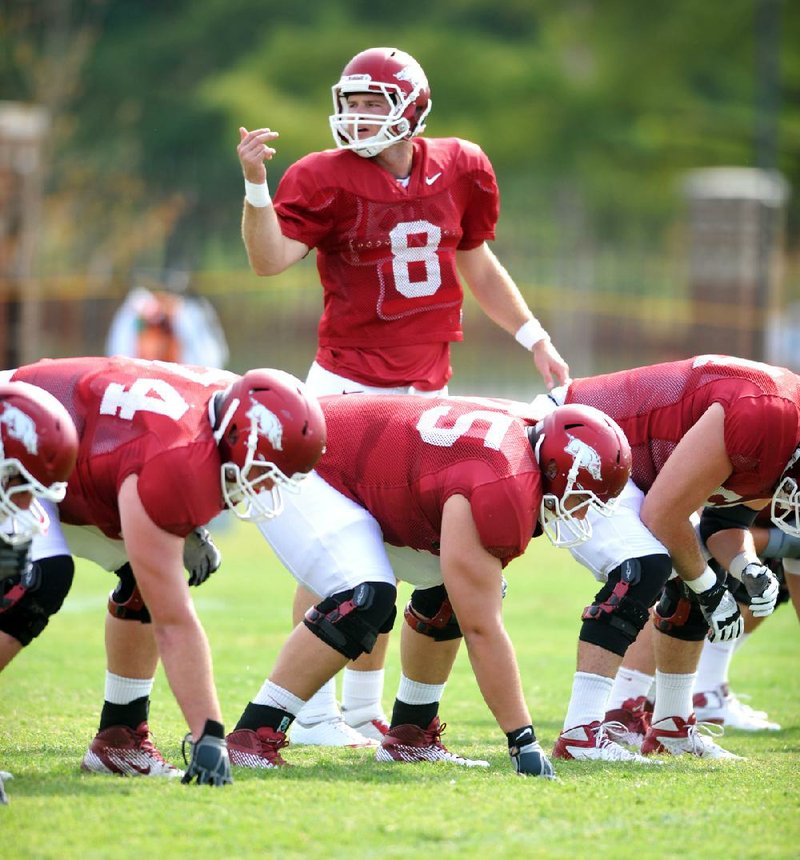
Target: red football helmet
pixel 785 508
pixel 270 428
pixel 395 75
pixel 585 460
pixel 38 450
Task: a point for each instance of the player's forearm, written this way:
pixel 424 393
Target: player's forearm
pixel 495 666
pixel 680 540
pixel 186 657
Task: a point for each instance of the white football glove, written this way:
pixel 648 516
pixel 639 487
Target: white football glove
pixel 763 588
pixel 720 610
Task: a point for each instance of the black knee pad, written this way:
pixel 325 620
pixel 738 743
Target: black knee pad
pixel 678 614
pixel 620 608
pixel 32 599
pixel 429 612
pixel 125 601
pixel 350 621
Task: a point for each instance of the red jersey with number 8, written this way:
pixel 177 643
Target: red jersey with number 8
pixel 386 251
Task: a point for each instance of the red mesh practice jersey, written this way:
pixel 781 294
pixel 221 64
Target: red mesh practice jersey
pixel 401 457
pixel 386 253
pixel 138 417
pixel 657 405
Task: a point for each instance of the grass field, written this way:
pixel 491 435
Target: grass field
pixel 342 804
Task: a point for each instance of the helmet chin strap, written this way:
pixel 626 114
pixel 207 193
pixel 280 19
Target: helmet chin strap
pixel 213 403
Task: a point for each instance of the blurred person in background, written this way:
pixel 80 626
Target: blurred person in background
pixel 163 449
pixel 168 323
pixel 465 483
pixel 398 221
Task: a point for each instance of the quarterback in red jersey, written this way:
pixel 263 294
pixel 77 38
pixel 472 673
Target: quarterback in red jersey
pixel 399 222
pixel 464 481
pixel 163 449
pixel 711 431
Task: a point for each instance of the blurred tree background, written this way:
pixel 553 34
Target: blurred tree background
pixel 592 113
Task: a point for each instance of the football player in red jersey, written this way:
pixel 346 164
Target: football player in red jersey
pixel 398 221
pixel 465 482
pixel 38 448
pixel 711 430
pixel 164 448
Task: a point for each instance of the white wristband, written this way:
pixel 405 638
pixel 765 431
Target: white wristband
pixel 257 194
pixel 740 562
pixel 706 580
pixel 530 333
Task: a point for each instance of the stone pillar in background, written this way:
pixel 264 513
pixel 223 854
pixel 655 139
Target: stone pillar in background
pixel 736 227
pixel 22 132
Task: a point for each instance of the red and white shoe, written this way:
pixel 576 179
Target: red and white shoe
pixel 127 752
pixel 409 743
pixel 676 736
pixel 634 716
pixel 257 749
pixel 592 743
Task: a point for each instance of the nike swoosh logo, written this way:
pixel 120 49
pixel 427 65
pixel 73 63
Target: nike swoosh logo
pixel 523 734
pixel 429 180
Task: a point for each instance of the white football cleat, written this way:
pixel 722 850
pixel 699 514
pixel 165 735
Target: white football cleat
pixel 366 723
pixel 329 733
pixel 724 708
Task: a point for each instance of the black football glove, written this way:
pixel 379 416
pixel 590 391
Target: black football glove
pixel 210 763
pixel 527 756
pixel 201 557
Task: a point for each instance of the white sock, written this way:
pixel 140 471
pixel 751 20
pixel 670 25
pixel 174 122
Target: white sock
pixel 673 696
pixel 415 693
pixel 123 691
pixel 321 706
pixel 588 701
pixel 712 669
pixel 362 693
pixel 628 684
pixel 278 697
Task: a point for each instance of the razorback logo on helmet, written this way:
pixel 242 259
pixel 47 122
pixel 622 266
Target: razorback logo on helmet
pixel 266 423
pixel 21 427
pixel 585 456
pixel 413 74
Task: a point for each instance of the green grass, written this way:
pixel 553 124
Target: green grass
pixel 340 803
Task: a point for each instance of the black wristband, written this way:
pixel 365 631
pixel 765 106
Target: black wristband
pixel 214 730
pixel 521 737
